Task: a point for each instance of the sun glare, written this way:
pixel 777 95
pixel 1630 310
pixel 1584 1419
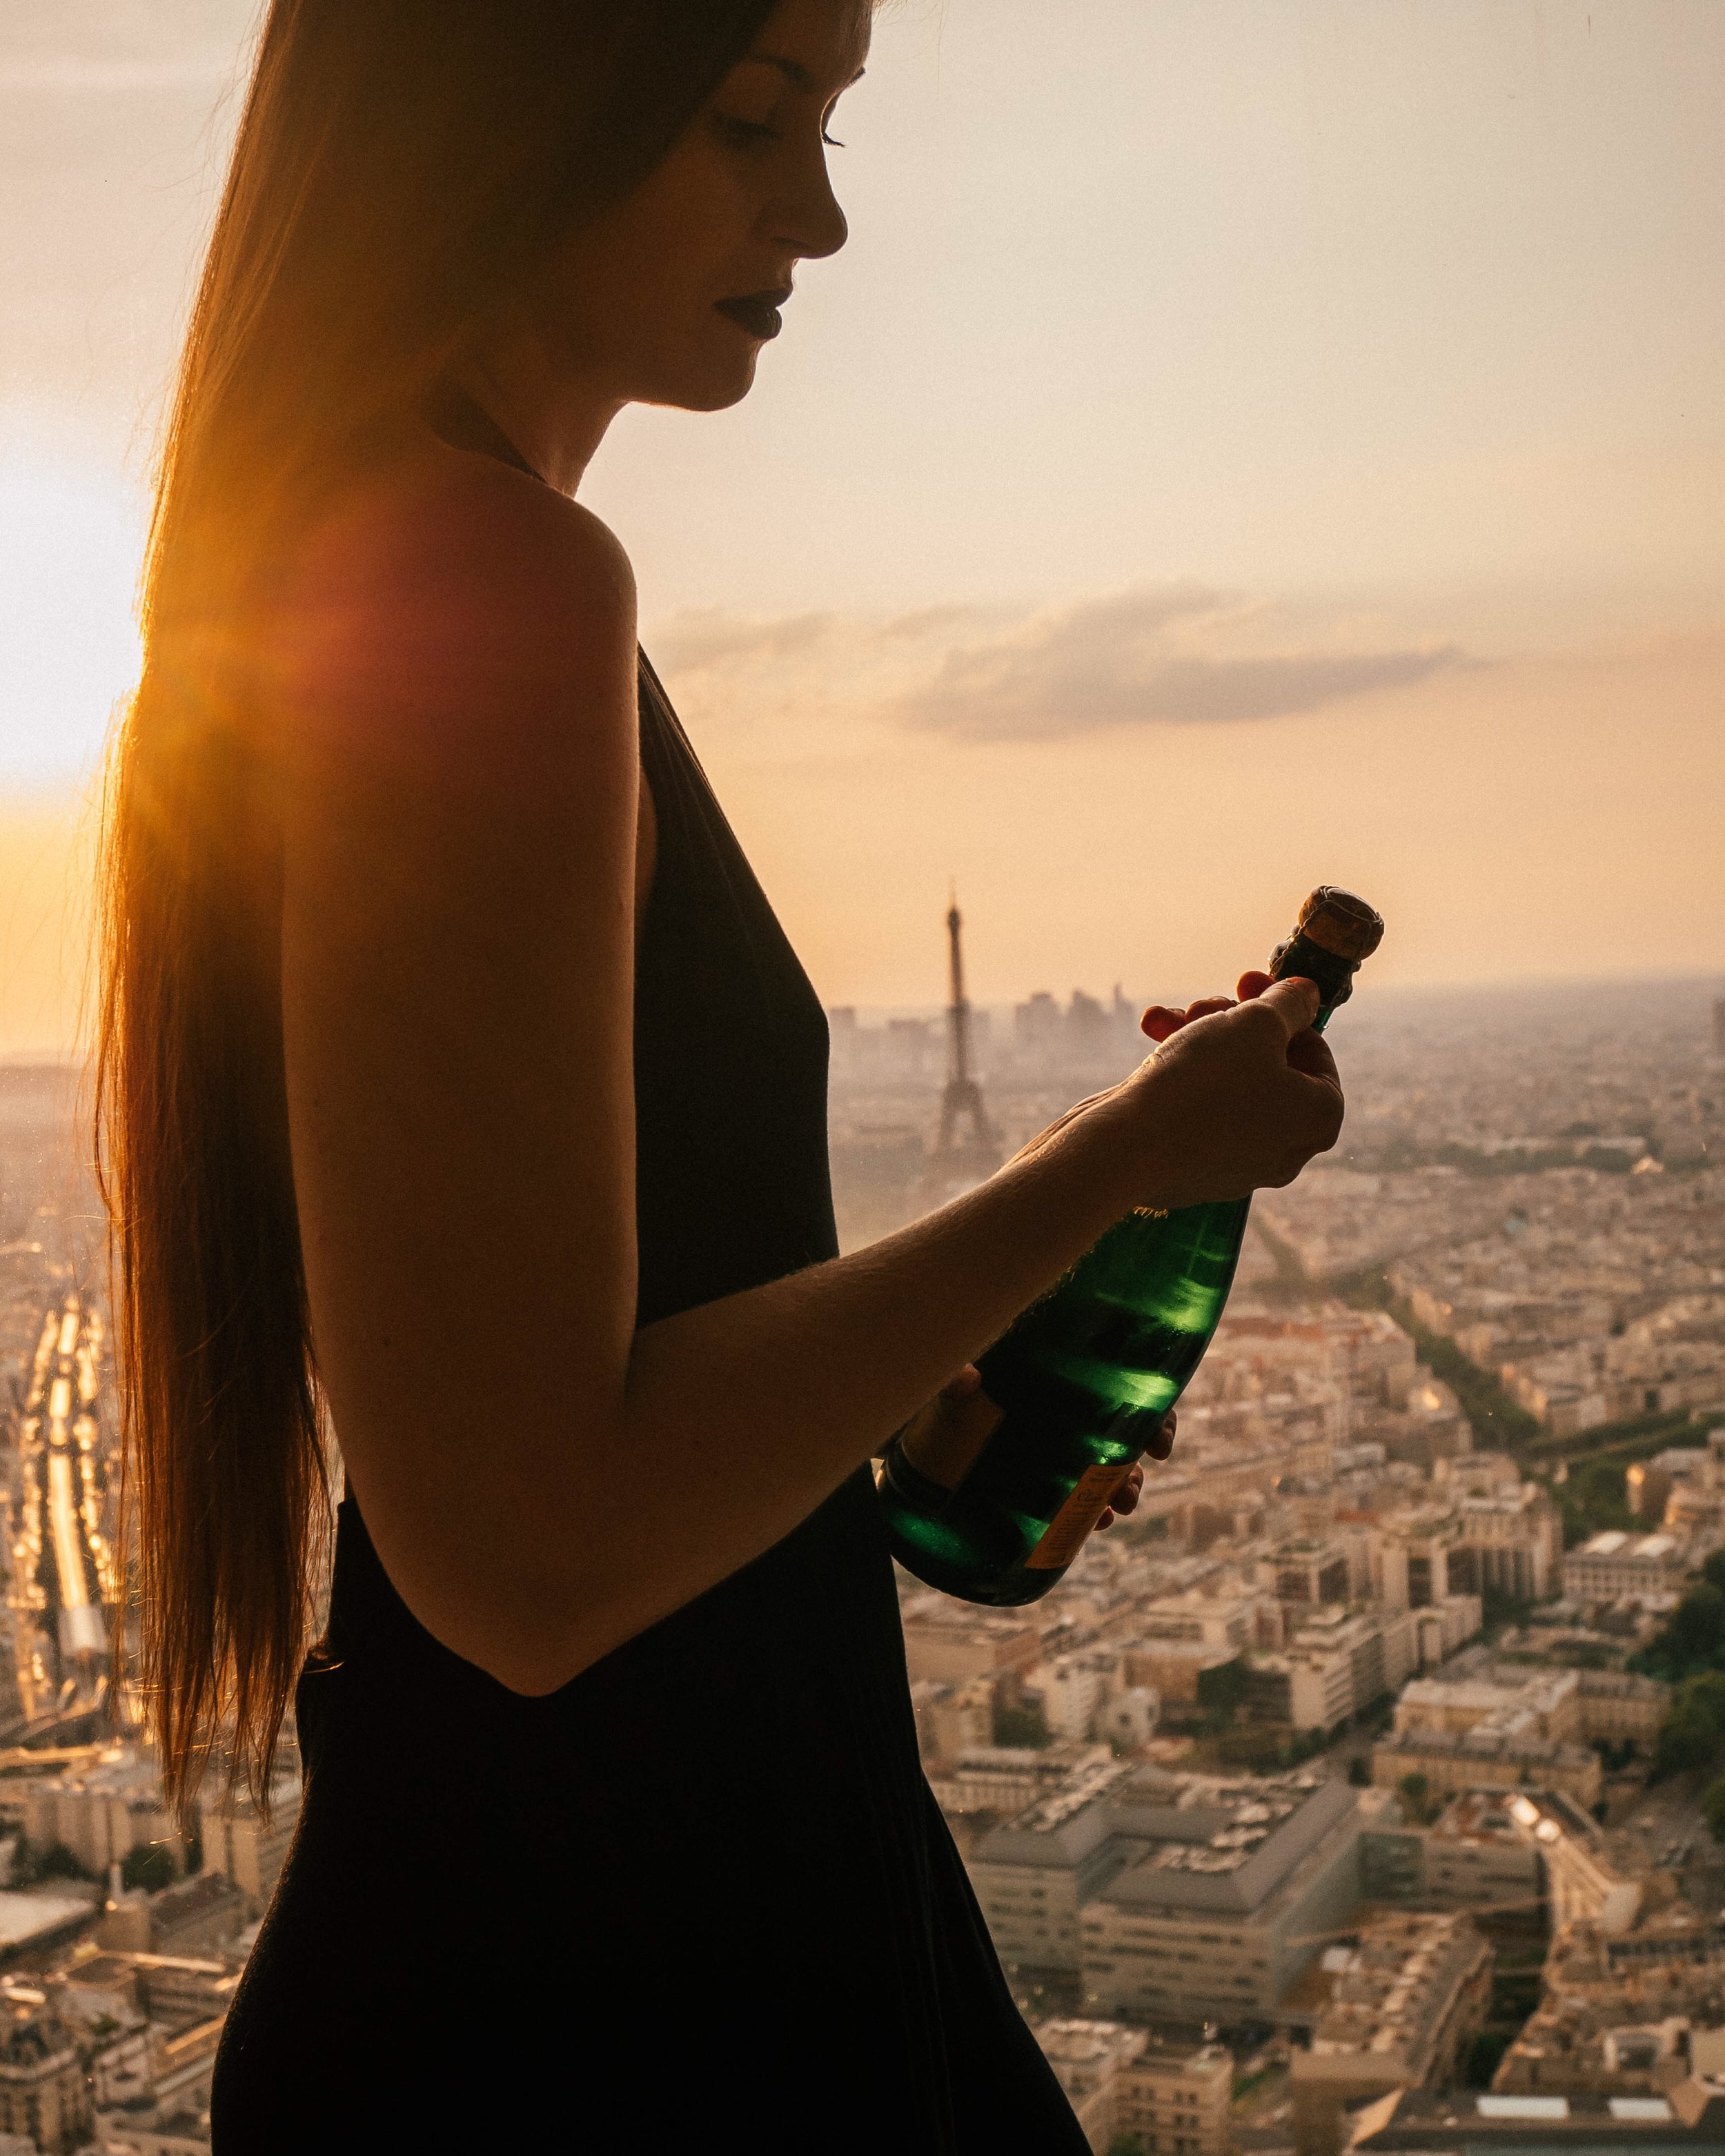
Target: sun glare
pixel 70 548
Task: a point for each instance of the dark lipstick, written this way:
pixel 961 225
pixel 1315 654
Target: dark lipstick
pixel 758 312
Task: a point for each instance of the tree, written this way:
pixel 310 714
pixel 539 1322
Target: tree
pixel 1693 1733
pixel 1698 1627
pixel 1020 1727
pixel 1693 1642
pixel 1712 1805
pixel 1685 1740
pixel 149 1867
pixel 1358 1771
pixel 1222 1690
pixel 1125 2144
pixel 1484 2055
pixel 57 1861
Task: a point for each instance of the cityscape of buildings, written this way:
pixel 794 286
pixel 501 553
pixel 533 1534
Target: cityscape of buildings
pixel 1326 1804
pixel 1331 1780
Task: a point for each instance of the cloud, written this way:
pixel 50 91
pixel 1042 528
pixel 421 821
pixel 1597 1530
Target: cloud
pixel 707 637
pixel 1138 659
pixel 928 622
pixel 1174 654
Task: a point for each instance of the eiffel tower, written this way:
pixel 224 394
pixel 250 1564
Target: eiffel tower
pixel 958 1163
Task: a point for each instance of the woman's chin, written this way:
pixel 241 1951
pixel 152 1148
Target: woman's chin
pixel 713 384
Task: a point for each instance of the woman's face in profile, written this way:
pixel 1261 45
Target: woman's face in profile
pixel 668 298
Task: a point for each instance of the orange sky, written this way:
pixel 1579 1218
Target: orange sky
pixel 1241 445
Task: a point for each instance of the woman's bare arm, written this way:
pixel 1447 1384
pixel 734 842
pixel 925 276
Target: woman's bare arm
pixel 542 1479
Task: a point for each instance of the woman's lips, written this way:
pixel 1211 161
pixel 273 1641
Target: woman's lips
pixel 756 312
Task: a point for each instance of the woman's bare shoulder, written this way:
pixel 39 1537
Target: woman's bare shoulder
pixel 445 592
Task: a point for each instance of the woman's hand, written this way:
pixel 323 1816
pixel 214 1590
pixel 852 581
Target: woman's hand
pixel 1238 1096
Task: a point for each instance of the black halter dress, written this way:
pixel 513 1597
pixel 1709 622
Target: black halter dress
pixel 701 1896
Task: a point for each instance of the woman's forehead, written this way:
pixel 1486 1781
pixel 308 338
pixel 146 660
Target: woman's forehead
pixel 819 44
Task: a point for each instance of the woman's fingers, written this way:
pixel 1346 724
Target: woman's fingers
pixel 1163 1021
pixel 1126 1496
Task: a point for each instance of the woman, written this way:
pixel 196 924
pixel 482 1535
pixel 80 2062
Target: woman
pixel 459 1085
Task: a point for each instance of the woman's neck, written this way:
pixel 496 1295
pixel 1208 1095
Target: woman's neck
pixel 555 423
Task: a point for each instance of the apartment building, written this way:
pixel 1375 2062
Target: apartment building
pixel 1088 2058
pixel 44 2093
pixel 1174 1897
pixel 1511 1544
pixel 1335 1664
pixel 101 1811
pixel 1451 1760
pixel 1472 1857
pixel 1005 1779
pixel 1122 2083
pixel 1614 1565
pixel 250 1844
pixel 1214 1912
pixel 1485 1695
pixel 951 1643
pixel 1177 2101
pixel 1619 1708
pixel 1582 1883
pixel 1310 1688
pixel 1033 1876
pixel 1399 2004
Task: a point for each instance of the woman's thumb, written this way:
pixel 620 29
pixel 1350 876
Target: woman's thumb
pixel 1296 1002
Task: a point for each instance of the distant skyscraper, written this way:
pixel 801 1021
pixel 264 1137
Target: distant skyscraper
pixel 960 1162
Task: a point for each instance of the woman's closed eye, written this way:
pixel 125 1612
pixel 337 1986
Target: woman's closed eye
pixel 746 133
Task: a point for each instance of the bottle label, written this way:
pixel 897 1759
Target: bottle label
pixel 945 1440
pixel 1068 1530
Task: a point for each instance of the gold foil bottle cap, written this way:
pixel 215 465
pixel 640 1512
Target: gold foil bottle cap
pixel 1340 923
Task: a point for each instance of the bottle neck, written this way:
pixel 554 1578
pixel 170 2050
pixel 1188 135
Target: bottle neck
pixel 1301 958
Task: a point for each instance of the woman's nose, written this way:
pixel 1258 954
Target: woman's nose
pixel 813 226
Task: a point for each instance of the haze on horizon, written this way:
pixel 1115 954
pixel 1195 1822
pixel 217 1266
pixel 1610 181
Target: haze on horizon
pixel 1243 444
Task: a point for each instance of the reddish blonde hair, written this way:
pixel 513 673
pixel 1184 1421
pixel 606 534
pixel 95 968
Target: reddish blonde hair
pixel 401 166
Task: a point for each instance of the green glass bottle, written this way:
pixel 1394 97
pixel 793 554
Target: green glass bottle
pixel 1083 1379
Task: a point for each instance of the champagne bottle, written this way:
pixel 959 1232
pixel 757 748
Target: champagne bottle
pixel 1079 1384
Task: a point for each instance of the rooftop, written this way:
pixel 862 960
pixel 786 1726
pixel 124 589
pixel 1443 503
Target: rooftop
pixel 1615 1542
pixel 1485 1743
pixel 1384 1994
pixel 1194 1839
pixel 1691 2116
pixel 25 1918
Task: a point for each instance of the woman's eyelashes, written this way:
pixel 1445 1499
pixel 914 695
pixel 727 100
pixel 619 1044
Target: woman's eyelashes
pixel 745 134
pixel 749 134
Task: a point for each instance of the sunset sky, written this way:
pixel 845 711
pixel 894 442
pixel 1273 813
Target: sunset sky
pixel 1246 442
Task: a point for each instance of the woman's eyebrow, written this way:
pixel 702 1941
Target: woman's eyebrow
pixel 794 72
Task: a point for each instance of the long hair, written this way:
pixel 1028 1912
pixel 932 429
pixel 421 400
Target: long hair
pixel 400 167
